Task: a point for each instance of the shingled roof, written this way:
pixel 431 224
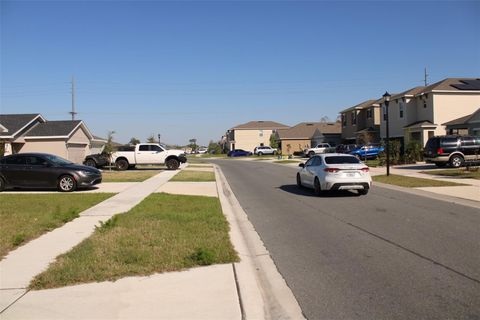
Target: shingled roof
pixel 306 130
pixel 15 122
pixel 360 106
pixel 453 84
pixel 260 125
pixel 461 120
pixel 54 129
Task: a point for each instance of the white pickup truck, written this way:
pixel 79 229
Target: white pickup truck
pixel 143 153
pixel 319 148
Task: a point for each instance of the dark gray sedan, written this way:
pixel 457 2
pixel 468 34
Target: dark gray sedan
pixel 44 171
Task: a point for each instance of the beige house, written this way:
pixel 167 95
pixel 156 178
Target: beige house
pixel 32 133
pixel 418 114
pixel 361 123
pixel 252 134
pixel 307 134
pixel 467 125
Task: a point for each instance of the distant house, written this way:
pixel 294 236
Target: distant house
pixel 361 123
pixel 33 133
pixel 249 135
pixel 418 114
pixel 467 125
pixel 307 134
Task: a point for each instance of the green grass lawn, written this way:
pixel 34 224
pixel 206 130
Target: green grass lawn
pixel 163 233
pixel 194 176
pixel 200 166
pixel 128 175
pixel 287 161
pixel 24 217
pixel 411 182
pixel 456 173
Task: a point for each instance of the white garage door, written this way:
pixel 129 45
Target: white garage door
pixel 76 152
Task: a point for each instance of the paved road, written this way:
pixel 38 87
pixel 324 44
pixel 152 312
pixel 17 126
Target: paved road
pixel 387 255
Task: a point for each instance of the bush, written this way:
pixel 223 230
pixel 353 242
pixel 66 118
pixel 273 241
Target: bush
pixel 413 152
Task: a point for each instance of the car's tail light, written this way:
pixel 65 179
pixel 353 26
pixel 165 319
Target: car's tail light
pixel 331 170
pixel 366 169
pixel 439 151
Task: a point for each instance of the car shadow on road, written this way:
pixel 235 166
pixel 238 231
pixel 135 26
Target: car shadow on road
pixel 417 167
pixel 294 189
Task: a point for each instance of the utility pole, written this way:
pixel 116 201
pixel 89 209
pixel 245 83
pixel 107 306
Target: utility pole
pixel 425 77
pixel 73 113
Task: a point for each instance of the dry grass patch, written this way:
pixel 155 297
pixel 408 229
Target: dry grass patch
pixel 411 182
pixel 128 175
pixel 24 217
pixel 163 233
pixel 194 176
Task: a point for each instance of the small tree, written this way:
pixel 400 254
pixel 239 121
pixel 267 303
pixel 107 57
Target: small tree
pixel 273 141
pixel 2 148
pixel 214 147
pixel 413 152
pixel 193 144
pixel 134 141
pixel 151 139
pixel 324 119
pixel 108 147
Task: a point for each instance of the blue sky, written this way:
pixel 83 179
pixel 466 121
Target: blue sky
pixel 193 69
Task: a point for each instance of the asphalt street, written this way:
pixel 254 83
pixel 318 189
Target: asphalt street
pixel 387 255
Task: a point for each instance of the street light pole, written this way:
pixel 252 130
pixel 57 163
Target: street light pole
pixel 159 138
pixel 386 98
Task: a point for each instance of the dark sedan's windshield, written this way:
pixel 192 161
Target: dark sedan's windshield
pixel 57 160
pixel 340 160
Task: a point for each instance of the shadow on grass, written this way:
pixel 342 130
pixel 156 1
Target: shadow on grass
pixel 294 189
pixel 50 190
pixel 417 167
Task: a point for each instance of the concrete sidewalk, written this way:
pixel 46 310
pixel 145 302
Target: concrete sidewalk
pixel 228 291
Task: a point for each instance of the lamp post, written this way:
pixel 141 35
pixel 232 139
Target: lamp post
pixel 159 138
pixel 386 99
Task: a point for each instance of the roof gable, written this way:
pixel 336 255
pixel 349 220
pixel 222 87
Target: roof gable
pixel 463 120
pixel 57 129
pixel 14 123
pixel 453 84
pixel 306 130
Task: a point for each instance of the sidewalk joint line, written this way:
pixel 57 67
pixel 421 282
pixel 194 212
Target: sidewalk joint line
pixel 15 301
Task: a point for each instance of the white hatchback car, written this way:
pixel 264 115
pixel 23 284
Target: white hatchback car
pixel 334 171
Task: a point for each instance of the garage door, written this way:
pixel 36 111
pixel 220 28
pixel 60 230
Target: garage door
pixel 76 152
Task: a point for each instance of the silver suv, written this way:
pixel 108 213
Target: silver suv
pixel 264 150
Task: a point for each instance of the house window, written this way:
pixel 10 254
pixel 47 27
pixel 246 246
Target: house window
pixel 354 118
pixel 425 104
pixel 401 109
pixel 344 120
pixel 369 113
pixel 260 133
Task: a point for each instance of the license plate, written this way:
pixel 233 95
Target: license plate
pixel 350 175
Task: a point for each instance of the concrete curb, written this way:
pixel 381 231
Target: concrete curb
pixel 263 292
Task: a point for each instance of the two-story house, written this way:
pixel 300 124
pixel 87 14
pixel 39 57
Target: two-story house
pixel 418 114
pixel 307 134
pixel 361 123
pixel 252 134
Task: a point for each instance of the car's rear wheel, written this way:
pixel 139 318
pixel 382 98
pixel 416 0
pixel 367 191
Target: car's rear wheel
pixel 2 185
pixel 66 183
pixel 121 164
pixel 172 164
pixel 316 187
pixel 91 163
pixel 311 154
pixel 363 192
pixel 456 161
pixel 274 153
pixel 260 153
pixel 299 181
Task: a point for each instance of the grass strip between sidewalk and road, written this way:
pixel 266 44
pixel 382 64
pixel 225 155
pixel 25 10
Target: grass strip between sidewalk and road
pixel 456 173
pixel 163 233
pixel 24 217
pixel 194 176
pixel 128 175
pixel 412 182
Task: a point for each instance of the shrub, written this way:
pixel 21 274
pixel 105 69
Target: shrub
pixel 413 152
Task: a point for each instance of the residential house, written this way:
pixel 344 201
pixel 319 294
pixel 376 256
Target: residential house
pixel 467 125
pixel 418 114
pixel 249 135
pixel 33 133
pixel 307 134
pixel 361 123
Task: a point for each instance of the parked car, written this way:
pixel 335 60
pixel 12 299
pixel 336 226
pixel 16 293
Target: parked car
pixel 334 171
pixel 452 150
pixel 143 153
pixel 43 171
pixel 261 150
pixel 345 148
pixel 202 150
pixel 238 153
pixel 319 148
pixel 368 151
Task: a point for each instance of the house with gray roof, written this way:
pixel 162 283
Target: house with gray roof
pixel 71 140
pixel 361 123
pixel 306 134
pixel 252 134
pixel 466 125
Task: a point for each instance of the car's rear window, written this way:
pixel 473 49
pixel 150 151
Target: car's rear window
pixel 450 142
pixel 432 144
pixel 341 160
